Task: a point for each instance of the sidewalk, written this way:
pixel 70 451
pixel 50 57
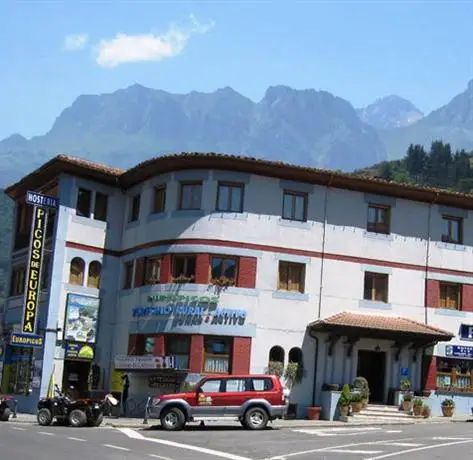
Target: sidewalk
pixel 137 423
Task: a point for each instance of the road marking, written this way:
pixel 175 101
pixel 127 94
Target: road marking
pixel 446 438
pixel 159 457
pixel 111 446
pixel 216 453
pixel 76 439
pixel 328 449
pixel 46 433
pixel 17 428
pixel 347 451
pixel 419 449
pixel 336 431
pixel 393 431
pixel 401 444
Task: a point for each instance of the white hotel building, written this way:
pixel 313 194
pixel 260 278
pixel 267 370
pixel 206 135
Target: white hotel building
pixel 226 263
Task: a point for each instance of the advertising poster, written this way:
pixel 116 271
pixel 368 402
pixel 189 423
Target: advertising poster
pixel 82 314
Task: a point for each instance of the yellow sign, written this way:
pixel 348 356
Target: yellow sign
pixel 26 340
pixel 33 275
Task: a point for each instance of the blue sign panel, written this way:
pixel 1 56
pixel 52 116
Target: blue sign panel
pixel 26 340
pixel 45 201
pixel 459 351
pixel 466 332
pixel 404 372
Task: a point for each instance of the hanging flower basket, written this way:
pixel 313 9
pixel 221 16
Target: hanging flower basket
pixel 223 281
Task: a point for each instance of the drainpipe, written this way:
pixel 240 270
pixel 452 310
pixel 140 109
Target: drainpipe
pixel 427 256
pixel 322 260
pixel 314 382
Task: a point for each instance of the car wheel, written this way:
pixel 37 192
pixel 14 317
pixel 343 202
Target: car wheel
pixel 173 419
pixel 256 418
pixel 77 418
pixel 5 415
pixel 97 421
pixel 44 417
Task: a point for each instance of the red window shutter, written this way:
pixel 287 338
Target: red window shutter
pixel 247 272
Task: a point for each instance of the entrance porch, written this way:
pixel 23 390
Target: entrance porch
pixel 384 350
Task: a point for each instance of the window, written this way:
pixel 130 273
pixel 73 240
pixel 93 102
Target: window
pixel 291 277
pixel 76 273
pixel 455 373
pixel 101 207
pixel 183 269
pixel 376 287
pixel 217 354
pixel 211 386
pixel 128 275
pixel 452 230
pixel 236 386
pixel 450 296
pixel 179 346
pixel 18 377
pixel 263 384
pixel 93 278
pixel 191 195
pixel 135 208
pixel 378 219
pixel 18 281
pixel 294 206
pixel 230 197
pixel 295 355
pixel 224 269
pixel 150 343
pixel 152 270
pixel 84 200
pixel 159 199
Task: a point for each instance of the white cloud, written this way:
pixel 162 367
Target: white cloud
pixel 125 48
pixel 75 42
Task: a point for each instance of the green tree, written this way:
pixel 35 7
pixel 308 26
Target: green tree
pixel 415 162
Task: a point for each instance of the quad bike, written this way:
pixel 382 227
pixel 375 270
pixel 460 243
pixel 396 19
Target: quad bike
pixel 73 412
pixel 5 409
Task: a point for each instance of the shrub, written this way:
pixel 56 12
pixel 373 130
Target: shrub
pixel 405 385
pixel 356 397
pixel 407 398
pixel 417 402
pixel 345 397
pixel 275 368
pixel 448 402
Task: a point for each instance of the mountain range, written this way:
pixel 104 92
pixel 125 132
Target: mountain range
pixel 306 127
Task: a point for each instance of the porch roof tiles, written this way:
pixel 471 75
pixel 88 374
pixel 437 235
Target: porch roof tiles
pixel 373 323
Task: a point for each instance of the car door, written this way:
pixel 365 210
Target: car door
pixel 235 395
pixel 209 402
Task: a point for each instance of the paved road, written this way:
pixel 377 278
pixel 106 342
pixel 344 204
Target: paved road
pixel 416 442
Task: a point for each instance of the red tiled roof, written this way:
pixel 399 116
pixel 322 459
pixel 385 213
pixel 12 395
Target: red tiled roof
pixel 194 160
pixel 378 323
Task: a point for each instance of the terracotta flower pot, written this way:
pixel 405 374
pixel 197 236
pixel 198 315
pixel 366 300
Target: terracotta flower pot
pixel 344 410
pixel 313 413
pixel 356 407
pixel 447 411
pixel 407 406
pixel 417 410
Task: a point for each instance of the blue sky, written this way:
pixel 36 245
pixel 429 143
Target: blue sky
pixel 356 50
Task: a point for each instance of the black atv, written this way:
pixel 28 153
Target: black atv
pixel 5 409
pixel 73 412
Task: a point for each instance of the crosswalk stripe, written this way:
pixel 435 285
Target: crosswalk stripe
pixel 349 451
pixel 400 444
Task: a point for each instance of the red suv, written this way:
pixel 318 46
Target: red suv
pixel 253 400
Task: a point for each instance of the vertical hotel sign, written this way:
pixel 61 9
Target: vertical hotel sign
pixel 40 203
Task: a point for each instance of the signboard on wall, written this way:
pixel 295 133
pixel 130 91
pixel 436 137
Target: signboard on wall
pixel 127 362
pixel 40 200
pixel 459 351
pixel 33 272
pixel 82 314
pixel 26 340
pixel 79 351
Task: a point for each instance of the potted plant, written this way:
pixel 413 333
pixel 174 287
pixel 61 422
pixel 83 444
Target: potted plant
pixel 275 368
pixel 361 384
pixel 344 401
pixel 426 411
pixel 405 385
pixel 356 404
pixel 448 407
pixel 417 407
pixel 407 403
pixel 223 281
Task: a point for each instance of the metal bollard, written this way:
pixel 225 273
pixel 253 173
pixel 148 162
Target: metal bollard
pixel 145 420
pixel 15 408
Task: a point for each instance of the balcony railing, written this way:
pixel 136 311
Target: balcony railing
pixel 216 364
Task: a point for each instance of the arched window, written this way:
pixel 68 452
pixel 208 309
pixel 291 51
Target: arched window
pixel 93 278
pixel 295 355
pixel 276 354
pixel 76 274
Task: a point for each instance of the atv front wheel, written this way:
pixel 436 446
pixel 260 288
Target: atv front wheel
pixel 5 415
pixel 97 421
pixel 77 418
pixel 44 417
